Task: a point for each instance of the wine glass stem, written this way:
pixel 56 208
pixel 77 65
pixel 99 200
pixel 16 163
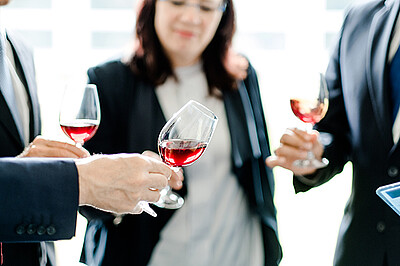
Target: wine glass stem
pixel 309 127
pixel 79 145
pixel 167 189
pixel 310 153
pixel 175 168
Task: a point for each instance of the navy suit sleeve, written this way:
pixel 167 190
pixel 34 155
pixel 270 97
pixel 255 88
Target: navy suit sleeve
pixel 38 199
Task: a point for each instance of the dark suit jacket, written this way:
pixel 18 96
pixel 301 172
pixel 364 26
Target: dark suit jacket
pixel 359 118
pixel 131 121
pixel 39 200
pixel 11 144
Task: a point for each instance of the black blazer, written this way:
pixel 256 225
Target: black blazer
pixel 131 121
pixel 359 119
pixel 11 144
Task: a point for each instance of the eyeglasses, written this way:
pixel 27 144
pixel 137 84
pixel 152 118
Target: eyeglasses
pixel 206 7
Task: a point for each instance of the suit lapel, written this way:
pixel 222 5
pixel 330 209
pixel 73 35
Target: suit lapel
pixel 8 122
pixel 376 67
pixel 24 62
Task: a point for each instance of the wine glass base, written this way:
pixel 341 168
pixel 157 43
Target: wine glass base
pixel 170 201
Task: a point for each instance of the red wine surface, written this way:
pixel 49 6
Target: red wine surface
pixel 79 132
pixel 179 153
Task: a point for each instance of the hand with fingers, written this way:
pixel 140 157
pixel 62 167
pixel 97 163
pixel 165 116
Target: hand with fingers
pixel 117 183
pixel 42 147
pixel 176 179
pixel 236 64
pixel 295 144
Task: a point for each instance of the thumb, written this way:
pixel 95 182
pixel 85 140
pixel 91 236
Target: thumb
pixel 273 161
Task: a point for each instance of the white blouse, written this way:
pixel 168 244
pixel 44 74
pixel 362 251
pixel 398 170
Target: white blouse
pixel 215 225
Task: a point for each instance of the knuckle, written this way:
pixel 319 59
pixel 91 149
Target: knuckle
pixel 285 137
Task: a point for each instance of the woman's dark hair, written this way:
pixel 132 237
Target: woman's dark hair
pixel 150 62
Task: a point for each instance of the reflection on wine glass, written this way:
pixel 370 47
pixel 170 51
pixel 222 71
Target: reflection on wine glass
pixel 80 113
pixel 182 141
pixel 310 107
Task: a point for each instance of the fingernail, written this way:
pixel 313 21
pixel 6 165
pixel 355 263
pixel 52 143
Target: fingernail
pixel 179 183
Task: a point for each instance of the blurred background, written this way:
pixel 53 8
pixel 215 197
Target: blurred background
pixel 282 39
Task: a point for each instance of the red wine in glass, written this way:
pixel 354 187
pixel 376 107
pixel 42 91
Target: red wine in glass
pixel 310 107
pixel 182 141
pixel 80 112
pixel 80 131
pixel 309 111
pixel 178 153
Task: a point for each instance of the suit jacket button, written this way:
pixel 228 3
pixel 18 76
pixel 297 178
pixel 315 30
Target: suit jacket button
pixel 51 230
pixel 20 230
pixel 31 229
pixel 380 227
pixel 393 171
pixel 41 230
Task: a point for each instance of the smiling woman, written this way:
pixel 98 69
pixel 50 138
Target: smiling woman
pixel 207 7
pixel 229 216
pixel 185 29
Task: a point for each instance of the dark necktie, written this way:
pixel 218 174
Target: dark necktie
pixel 6 86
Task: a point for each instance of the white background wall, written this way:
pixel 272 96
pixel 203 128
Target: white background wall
pixel 282 39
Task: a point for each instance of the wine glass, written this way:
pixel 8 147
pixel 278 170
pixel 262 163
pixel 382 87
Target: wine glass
pixel 80 113
pixel 310 107
pixel 182 141
pixel 80 118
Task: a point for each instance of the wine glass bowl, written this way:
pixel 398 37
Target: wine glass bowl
pixel 182 141
pixel 80 113
pixel 310 107
pixel 178 153
pixel 309 111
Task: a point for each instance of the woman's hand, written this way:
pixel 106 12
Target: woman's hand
pixel 236 64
